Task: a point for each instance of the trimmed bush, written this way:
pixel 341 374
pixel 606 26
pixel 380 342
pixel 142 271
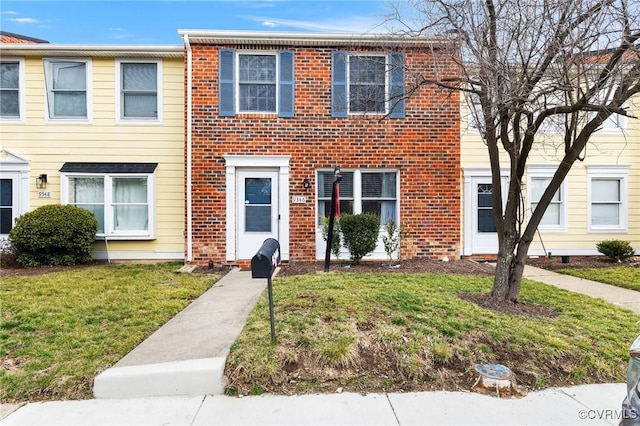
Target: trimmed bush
pixel 54 234
pixel 616 250
pixel 359 234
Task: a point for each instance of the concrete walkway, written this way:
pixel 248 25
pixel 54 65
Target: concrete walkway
pixel 176 377
pixel 187 355
pixel 625 298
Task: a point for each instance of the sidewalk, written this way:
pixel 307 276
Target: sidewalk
pixel 581 405
pixel 186 356
pixel 625 298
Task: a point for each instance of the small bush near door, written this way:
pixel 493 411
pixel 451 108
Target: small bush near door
pixel 54 234
pixel 359 234
pixel 616 250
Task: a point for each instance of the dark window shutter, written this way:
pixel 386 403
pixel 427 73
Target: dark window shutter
pixel 396 85
pixel 226 74
pixel 339 84
pixel 286 84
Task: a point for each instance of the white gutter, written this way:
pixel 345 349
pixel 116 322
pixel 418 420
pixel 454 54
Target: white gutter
pixel 188 153
pixel 308 39
pixel 51 49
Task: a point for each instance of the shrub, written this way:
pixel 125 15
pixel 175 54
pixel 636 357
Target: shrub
pixel 336 244
pixel 393 238
pixel 360 234
pixel 54 234
pixel 617 250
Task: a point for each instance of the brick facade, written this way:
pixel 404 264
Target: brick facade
pixel 424 147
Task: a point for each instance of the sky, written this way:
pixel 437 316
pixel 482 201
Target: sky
pixel 157 22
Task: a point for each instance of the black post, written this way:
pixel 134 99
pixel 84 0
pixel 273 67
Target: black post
pixel 271 314
pixel 337 177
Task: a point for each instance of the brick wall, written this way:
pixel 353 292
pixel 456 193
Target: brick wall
pixel 424 147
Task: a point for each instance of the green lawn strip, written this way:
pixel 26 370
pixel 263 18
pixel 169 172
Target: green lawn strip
pixel 376 332
pixel 58 330
pixel 620 276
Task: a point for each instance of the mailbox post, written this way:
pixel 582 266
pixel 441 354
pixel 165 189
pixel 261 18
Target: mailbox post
pixel 263 264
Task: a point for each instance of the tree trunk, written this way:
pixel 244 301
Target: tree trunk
pixel 509 270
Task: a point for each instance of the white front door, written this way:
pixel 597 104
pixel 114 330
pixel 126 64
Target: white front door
pixel 480 231
pixel 257 210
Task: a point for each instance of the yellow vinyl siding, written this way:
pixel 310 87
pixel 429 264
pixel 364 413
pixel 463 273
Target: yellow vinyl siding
pixel 48 145
pixel 604 149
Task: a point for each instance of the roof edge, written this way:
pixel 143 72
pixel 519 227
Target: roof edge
pixel 52 49
pixel 307 39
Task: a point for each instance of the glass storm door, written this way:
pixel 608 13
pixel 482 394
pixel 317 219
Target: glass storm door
pixel 485 238
pixel 8 204
pixel 257 210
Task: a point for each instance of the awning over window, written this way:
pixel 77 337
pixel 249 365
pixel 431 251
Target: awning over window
pixel 109 167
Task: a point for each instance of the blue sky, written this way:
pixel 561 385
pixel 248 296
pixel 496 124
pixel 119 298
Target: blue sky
pixel 157 22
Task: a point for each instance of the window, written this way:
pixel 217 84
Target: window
pixel 11 90
pixel 607 194
pixel 361 191
pixel 554 218
pixel 139 90
pixel 67 88
pixel 367 83
pixel 119 195
pixel 256 82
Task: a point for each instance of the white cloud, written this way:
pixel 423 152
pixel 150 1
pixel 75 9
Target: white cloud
pixel 24 20
pixel 351 25
pixel 9 12
pixel 120 33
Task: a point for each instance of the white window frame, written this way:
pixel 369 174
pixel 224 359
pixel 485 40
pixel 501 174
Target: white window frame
pixel 120 118
pixel 386 83
pixel 49 82
pixel 238 83
pixel 547 172
pixel 619 173
pixel 357 190
pixel 109 232
pixel 21 91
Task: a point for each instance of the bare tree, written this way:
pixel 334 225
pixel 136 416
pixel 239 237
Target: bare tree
pixel 526 66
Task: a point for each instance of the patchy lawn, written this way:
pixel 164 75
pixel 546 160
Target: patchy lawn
pixel 405 332
pixel 59 330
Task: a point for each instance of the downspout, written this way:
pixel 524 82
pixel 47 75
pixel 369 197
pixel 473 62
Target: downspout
pixel 188 150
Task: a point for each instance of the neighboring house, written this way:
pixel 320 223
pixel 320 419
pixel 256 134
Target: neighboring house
pixel 101 127
pixel 599 200
pixel 269 116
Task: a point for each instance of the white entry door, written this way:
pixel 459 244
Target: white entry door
pixel 257 210
pixel 480 226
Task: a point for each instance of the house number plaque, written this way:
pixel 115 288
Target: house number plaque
pixel 44 194
pixel 298 199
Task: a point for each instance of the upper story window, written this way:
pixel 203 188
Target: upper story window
pixel 119 195
pixel 555 216
pixel 258 82
pixel 11 90
pixel 607 198
pixel 139 93
pixel 367 84
pixel 67 85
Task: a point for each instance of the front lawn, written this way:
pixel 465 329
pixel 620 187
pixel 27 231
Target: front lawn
pixel 620 276
pixel 402 332
pixel 59 330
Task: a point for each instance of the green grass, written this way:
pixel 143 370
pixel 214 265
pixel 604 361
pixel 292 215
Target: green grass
pixel 59 330
pixel 620 276
pixel 377 332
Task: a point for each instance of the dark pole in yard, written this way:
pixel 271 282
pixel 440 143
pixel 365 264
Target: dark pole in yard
pixel 337 177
